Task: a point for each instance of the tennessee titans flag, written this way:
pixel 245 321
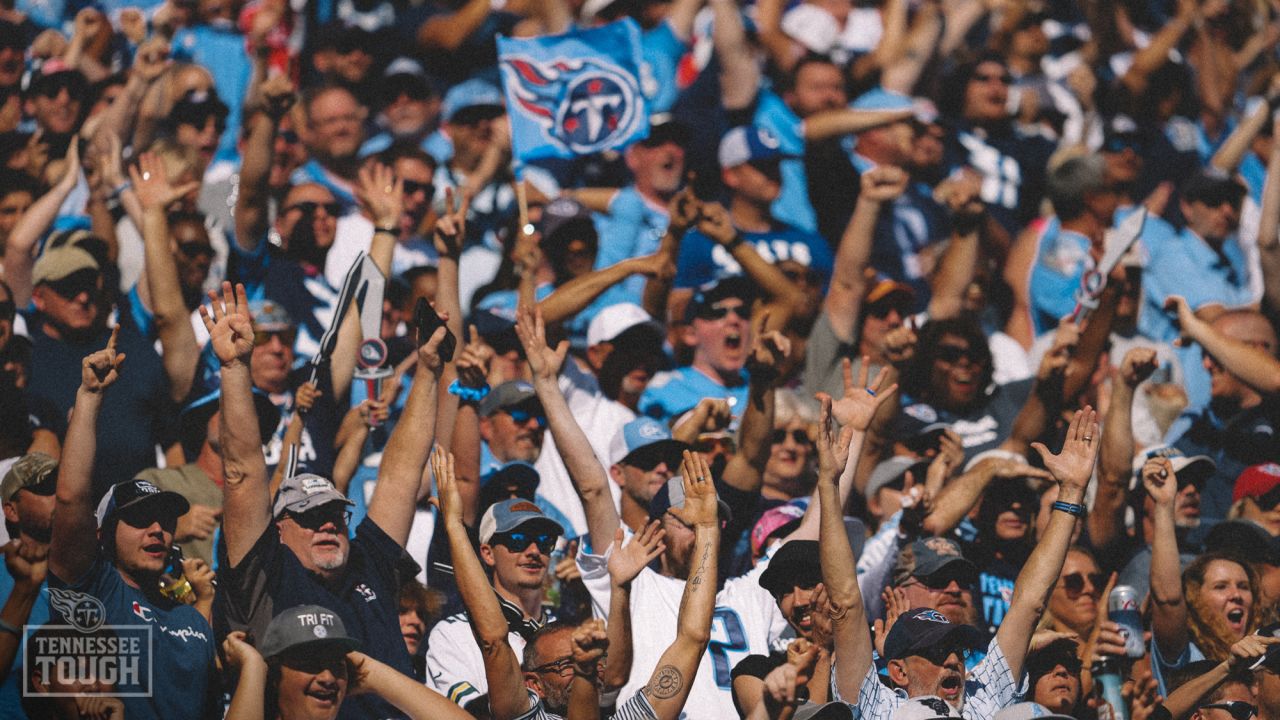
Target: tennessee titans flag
pixel 575 94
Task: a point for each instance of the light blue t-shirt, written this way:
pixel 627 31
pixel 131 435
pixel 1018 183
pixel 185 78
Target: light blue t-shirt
pixel 792 206
pixel 662 50
pixel 11 689
pixel 671 393
pixel 221 52
pixel 633 227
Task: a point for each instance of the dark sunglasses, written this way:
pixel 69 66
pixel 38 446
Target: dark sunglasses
pixel 46 487
pixel 798 436
pixel 1004 78
pixel 1269 499
pixel 413 186
pixel 808 276
pixel 309 207
pixel 1237 709
pixel 881 310
pixel 411 87
pixel 73 84
pixel 1120 143
pixel 646 462
pixel 942 579
pixel 721 312
pixel 1073 584
pixel 521 417
pixel 1219 196
pixel 143 517
pixel 194 250
pixel 952 354
pixel 318 518
pixel 287 336
pixel 938 654
pixel 290 137
pixel 71 286
pixel 7 309
pixel 476 114
pixel 516 542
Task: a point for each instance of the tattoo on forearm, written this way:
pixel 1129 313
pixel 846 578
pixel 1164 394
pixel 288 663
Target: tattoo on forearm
pixel 666 683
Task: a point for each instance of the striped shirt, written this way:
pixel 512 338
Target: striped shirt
pixel 637 707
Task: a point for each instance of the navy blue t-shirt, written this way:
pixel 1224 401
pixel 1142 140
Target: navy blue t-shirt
pixel 702 261
pixel 270 579
pixel 302 291
pixel 181 683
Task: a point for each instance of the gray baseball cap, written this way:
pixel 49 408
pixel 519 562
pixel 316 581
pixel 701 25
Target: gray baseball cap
pixel 304 492
pixel 507 395
pixel 309 627
pixel 893 470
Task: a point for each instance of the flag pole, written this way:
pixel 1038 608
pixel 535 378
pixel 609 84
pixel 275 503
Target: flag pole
pixel 522 197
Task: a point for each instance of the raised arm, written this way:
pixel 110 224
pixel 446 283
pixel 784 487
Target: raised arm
pixel 739 72
pixel 70 555
pixel 574 296
pixel 588 475
pixel 852 657
pixel 409 446
pixel 20 248
pixel 1269 230
pixel 448 31
pixel 827 124
pixel 410 696
pixel 251 212
pixel 1072 468
pixel 590 642
pixel 1258 368
pixel 1156 53
pixel 27 562
pixel 682 211
pixel 1244 653
pixel 451 228
pixel 921 42
pixel 959 261
pixel 672 679
pixel 786 301
pixel 745 469
pixel 250 672
pixel 507 696
pixel 181 352
pixel 959 496
pixel 1106 518
pixel 625 563
pixel 246 502
pixel 1168 606
pixel 1233 150
pixel 843 303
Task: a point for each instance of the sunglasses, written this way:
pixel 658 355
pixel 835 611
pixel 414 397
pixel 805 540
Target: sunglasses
pixel 1269 499
pixel 953 354
pixel 1237 709
pixel 798 436
pixel 942 579
pixel 520 417
pixel 71 286
pixel 722 312
pixel 1120 143
pixel 7 309
pixel 290 137
pixel 45 487
pixel 287 336
pixel 309 207
pixel 194 250
pixel 318 518
pixel 1003 78
pixel 808 277
pixel 517 542
pixel 413 186
pixel 1073 584
pixel 142 517
pixel 939 654
pixel 74 86
pixel 881 310
pixel 646 462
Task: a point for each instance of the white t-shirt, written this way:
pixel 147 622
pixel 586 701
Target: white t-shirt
pixel 746 622
pixel 354 235
pixel 455 667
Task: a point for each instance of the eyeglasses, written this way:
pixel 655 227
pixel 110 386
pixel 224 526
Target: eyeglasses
pixel 881 310
pixel 309 207
pixel 721 312
pixel 1237 709
pixel 318 518
pixel 1073 584
pixel 413 186
pixel 520 417
pixel 557 667
pixel 286 335
pixel 194 250
pixel 798 436
pixel 952 354
pixel 939 654
pixel 517 542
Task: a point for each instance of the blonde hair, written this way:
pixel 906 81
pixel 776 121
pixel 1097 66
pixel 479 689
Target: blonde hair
pixel 790 406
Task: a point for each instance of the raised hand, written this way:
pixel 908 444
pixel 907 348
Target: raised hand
pixel 27 562
pixel 305 397
pixel 1138 365
pixel 701 506
pixel 198 523
pixel 239 653
pixel 151 59
pixel 278 95
pixel 626 561
pixel 381 194
pixel 895 603
pixel 133 24
pixel 883 183
pixel 715 223
pixel 1074 465
pixel 832 444
pixel 962 196
pixel 101 369
pixel 1248 650
pixel 229 324
pixel 448 501
pixel 590 642
pixel 1186 320
pixel 544 362
pixel 151 183
pixel 429 351
pixel 683 209
pixel 1160 482
pixel 769 353
pixel 473 362
pixel 451 226
pixel 373 412
pixel 899 345
pixel 659 265
pixel 861 400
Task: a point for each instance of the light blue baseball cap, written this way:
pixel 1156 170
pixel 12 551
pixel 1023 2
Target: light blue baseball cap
pixel 644 436
pixel 469 94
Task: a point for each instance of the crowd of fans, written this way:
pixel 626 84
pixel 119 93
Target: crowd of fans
pixel 921 361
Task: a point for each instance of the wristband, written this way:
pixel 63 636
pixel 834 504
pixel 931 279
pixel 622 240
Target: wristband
pixel 735 242
pixel 10 628
pixel 119 189
pixel 388 230
pixel 468 394
pixel 1069 508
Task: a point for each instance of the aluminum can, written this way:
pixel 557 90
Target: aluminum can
pixel 1122 609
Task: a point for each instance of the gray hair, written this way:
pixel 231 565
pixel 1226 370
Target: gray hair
pixel 1070 182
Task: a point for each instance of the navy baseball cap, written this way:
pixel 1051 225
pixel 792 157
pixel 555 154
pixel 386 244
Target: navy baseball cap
pixel 671 495
pixel 140 493
pixel 645 439
pixel 749 143
pixel 515 479
pixel 511 514
pixel 923 628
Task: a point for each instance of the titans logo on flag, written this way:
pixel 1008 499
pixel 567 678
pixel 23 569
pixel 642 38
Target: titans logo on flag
pixel 584 105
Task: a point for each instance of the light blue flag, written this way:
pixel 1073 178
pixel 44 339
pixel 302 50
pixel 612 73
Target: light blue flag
pixel 577 93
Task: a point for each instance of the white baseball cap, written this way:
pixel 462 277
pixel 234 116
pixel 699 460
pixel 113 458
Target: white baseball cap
pixel 616 319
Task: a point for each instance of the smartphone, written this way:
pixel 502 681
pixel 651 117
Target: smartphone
pixel 427 320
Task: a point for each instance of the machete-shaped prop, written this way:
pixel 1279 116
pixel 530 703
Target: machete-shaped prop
pixel 1118 241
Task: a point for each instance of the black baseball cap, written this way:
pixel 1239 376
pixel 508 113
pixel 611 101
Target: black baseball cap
pixel 1212 187
pixel 140 493
pixel 793 565
pixel 737 286
pixel 925 628
pixel 193 420
pixel 311 628
pixel 515 479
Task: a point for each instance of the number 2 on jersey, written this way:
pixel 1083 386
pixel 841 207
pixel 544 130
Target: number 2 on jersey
pixel 727 636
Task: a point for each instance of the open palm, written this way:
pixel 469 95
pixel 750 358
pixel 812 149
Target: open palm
pixel 1074 465
pixel 861 401
pixel 229 323
pixel 627 560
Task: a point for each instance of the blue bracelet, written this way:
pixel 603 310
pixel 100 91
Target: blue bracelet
pixel 468 394
pixel 1069 508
